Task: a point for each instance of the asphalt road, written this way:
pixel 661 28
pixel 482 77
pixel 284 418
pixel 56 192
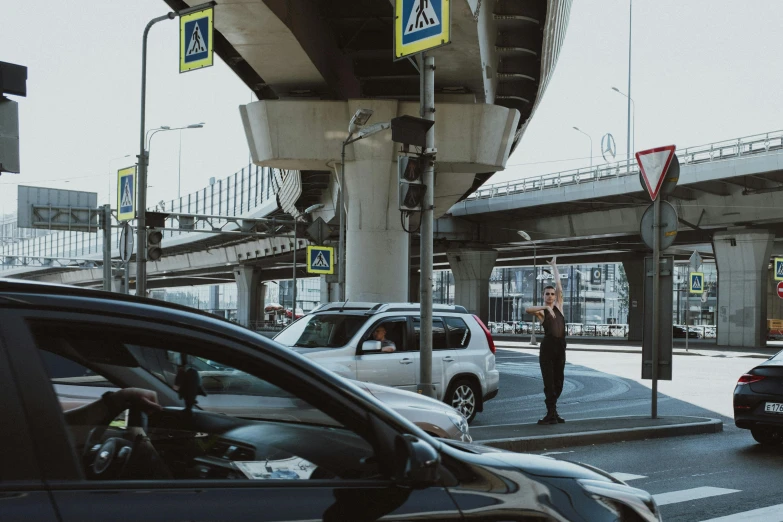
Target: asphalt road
pixel 695 478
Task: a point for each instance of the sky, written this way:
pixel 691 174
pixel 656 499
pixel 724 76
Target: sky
pixel 702 71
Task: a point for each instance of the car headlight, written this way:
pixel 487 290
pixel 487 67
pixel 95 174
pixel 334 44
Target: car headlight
pixel 462 425
pixel 619 497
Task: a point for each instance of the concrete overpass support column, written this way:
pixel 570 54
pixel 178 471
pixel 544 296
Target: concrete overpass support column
pixel 742 258
pixel 634 272
pixel 472 269
pixel 250 294
pixel 329 291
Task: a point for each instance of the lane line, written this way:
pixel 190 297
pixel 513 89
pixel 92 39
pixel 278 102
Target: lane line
pixel 625 477
pixel 767 514
pixel 685 495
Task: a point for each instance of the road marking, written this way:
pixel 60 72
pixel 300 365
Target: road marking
pixel 756 515
pixel 625 477
pixel 685 495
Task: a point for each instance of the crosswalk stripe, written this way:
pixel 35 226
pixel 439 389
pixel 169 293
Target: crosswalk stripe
pixel 625 477
pixel 685 495
pixel 757 515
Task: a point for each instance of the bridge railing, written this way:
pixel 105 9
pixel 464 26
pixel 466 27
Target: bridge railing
pixel 231 196
pixel 719 151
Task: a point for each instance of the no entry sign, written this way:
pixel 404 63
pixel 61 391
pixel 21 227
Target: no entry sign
pixel 780 289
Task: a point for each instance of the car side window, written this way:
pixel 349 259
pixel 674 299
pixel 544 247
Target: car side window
pixel 242 426
pixel 459 333
pixel 392 334
pixel 438 333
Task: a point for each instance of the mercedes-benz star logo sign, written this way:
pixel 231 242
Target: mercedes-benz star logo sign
pixel 608 147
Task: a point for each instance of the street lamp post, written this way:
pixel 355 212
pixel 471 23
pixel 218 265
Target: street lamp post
pixel 164 128
pixel 307 212
pixel 591 145
pixel 355 126
pixel 526 236
pixel 631 146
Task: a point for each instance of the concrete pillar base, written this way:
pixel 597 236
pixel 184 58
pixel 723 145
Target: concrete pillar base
pixel 471 269
pixel 634 272
pixel 742 259
pixel 250 295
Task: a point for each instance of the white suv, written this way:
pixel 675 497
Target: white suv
pixel 339 336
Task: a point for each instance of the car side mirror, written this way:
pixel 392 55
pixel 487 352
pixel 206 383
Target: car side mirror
pixel 371 345
pixel 416 462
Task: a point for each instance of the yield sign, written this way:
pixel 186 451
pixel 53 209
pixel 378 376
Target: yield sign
pixel 654 163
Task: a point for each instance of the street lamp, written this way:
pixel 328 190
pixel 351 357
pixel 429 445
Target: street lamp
pixel 631 108
pixel 164 128
pixel 591 145
pixel 526 237
pixel 307 211
pixel 355 126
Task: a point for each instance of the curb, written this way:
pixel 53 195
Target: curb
pixel 537 443
pixel 621 350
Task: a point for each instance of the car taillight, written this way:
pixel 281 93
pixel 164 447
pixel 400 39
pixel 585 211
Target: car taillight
pixel 487 333
pixel 749 379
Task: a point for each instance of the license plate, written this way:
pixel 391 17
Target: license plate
pixel 773 407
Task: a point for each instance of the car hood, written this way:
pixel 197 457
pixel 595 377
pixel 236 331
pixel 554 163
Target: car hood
pixel 536 465
pixel 395 397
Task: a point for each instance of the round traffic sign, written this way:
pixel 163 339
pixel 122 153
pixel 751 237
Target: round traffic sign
pixel 668 230
pixel 780 289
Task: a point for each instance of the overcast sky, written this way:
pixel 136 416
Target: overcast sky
pixel 703 71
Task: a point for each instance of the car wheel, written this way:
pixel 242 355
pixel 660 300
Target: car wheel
pixel 767 437
pixel 463 397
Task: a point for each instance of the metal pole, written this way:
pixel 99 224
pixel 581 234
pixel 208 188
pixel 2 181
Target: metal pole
pixel 141 200
pixel 293 308
pixel 179 166
pixel 628 132
pixel 687 306
pixel 341 244
pixel 656 318
pixel 425 386
pixel 106 223
pixel 533 340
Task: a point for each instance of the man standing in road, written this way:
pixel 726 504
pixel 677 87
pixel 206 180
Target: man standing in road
pixel 552 353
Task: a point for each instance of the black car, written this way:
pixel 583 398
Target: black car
pixel 183 463
pixel 758 401
pixel 678 332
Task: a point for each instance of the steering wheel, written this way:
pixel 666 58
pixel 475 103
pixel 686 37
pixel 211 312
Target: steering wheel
pixel 127 456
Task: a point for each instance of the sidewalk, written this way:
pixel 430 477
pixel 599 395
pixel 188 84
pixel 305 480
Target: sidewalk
pixel 621 345
pixel 532 437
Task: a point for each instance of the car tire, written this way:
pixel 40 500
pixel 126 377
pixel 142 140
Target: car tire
pixel 767 437
pixel 463 396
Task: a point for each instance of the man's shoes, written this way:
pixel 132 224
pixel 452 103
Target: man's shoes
pixel 558 418
pixel 549 418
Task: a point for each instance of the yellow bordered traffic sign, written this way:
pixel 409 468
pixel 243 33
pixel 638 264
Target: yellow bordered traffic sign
pixel 195 40
pixel 126 194
pixel 778 269
pixel 697 283
pixel 420 25
pixel 320 260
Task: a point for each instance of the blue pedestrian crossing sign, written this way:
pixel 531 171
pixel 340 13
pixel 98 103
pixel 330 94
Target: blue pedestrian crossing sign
pixel 195 40
pixel 126 194
pixel 320 260
pixel 697 282
pixel 779 269
pixel 420 25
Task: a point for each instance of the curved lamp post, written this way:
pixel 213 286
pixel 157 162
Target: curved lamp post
pixel 526 237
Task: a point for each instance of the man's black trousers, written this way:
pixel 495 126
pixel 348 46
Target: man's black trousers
pixel 552 360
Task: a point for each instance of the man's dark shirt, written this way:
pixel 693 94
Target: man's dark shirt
pixel 554 326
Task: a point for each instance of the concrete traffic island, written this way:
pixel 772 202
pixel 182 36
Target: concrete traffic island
pixel 532 437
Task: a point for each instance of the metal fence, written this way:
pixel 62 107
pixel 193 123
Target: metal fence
pixel 234 195
pixel 720 151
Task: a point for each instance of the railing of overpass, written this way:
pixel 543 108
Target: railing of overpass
pixel 234 195
pixel 719 151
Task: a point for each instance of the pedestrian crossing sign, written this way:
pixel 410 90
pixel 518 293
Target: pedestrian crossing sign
pixel 779 269
pixel 320 260
pixel 195 40
pixel 126 194
pixel 697 283
pixel 420 25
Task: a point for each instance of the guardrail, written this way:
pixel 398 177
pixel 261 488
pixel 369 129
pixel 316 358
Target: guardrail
pixel 720 151
pixel 234 195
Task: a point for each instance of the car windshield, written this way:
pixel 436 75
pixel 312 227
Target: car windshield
pixel 321 331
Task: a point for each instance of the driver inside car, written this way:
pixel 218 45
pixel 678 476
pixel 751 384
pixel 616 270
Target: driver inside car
pixel 111 404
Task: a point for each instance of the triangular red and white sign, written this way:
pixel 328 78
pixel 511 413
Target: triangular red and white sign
pixel 654 163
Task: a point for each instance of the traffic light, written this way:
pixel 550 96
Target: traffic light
pixel 154 238
pixel 410 170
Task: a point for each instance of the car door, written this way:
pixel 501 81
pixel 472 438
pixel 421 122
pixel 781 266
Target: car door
pixel 22 492
pixel 443 357
pixel 219 485
pixel 398 368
